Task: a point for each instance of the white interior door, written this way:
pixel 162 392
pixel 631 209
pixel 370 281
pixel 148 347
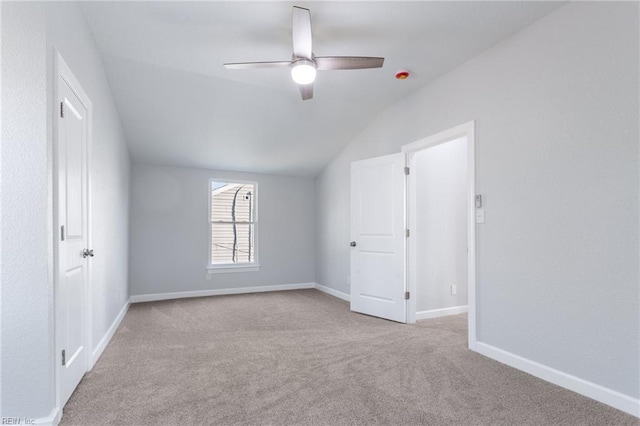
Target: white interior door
pixel 378 237
pixel 72 192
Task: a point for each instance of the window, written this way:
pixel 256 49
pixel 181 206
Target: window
pixel 233 226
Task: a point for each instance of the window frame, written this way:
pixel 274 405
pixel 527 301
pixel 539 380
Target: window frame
pixel 214 268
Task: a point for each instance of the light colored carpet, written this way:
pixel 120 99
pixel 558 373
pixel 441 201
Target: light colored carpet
pixel 302 358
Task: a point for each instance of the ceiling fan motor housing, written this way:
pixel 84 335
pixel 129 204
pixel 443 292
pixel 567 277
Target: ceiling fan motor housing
pixel 303 71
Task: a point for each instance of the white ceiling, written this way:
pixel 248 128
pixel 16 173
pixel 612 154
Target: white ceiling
pixel 179 106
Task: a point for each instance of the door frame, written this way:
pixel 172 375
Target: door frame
pixel 466 130
pixel 62 70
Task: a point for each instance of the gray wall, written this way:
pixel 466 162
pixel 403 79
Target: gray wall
pixel 26 351
pixel 30 31
pixel 440 229
pixel 170 230
pixel 556 110
pixel 1 138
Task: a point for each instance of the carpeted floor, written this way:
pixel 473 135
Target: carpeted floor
pixel 302 358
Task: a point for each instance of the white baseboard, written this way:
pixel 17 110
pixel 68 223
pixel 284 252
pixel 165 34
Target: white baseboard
pixel 443 312
pixel 218 292
pixel 602 394
pixel 51 420
pixel 332 292
pixel 108 335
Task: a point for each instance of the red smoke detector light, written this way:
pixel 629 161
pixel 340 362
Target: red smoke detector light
pixel 402 75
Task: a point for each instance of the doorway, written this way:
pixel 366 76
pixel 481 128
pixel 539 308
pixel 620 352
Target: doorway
pixel 441 215
pixel 391 234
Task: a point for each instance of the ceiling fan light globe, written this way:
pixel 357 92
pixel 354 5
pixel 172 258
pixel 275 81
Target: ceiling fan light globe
pixel 303 73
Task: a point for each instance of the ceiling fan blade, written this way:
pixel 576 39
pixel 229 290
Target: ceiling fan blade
pixel 347 62
pixel 301 29
pixel 254 65
pixel 306 90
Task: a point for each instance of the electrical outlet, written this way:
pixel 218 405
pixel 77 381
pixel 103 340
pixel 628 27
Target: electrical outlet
pixel 454 290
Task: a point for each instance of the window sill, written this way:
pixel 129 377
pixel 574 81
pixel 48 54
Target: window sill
pixel 223 269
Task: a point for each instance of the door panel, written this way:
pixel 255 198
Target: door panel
pixel 376 271
pixel 378 229
pixel 71 152
pixel 374 197
pixel 74 284
pixel 74 127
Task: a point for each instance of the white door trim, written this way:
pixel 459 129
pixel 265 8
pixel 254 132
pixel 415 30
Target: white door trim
pixel 61 69
pixel 465 130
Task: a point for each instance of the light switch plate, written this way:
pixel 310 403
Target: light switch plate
pixel 479 215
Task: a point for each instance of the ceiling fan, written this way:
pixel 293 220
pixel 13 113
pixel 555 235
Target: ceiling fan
pixel 304 63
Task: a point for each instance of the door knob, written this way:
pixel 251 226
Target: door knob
pixel 87 253
pixel 353 244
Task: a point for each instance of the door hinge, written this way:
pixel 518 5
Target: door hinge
pixel 64 357
pixel 61 109
pixel 406 170
pixel 407 295
pixel 62 233
pixel 407 233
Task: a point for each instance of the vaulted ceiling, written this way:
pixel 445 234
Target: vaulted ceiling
pixel 180 106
